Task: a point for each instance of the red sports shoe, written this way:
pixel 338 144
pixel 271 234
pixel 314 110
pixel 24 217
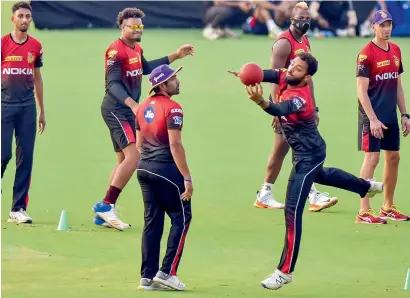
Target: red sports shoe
pixel 369 217
pixel 393 214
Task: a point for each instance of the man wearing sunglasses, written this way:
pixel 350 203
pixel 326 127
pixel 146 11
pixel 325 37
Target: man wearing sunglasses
pixel 124 66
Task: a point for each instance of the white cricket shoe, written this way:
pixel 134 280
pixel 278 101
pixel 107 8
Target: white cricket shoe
pixel 212 33
pixel 375 188
pixel 265 199
pixel 148 284
pixel 108 214
pixel 169 281
pixel 320 200
pixel 276 280
pixel 20 216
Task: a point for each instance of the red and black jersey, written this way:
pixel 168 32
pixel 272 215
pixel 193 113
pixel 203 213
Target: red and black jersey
pixel 383 69
pixel 296 110
pixel 297 47
pixel 124 67
pixel 17 69
pixel 156 115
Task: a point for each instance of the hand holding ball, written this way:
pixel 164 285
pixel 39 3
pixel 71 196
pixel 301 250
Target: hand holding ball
pixel 251 74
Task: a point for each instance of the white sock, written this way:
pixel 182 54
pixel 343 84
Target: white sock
pixel 313 189
pixel 271 25
pixel 267 185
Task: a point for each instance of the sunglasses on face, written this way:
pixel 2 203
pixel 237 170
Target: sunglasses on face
pixel 135 27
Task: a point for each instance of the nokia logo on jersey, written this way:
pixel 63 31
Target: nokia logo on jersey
pixel 18 71
pixel 387 76
pixel 134 73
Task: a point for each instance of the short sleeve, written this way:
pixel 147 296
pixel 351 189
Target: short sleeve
pixel 363 66
pixel 175 117
pixel 39 60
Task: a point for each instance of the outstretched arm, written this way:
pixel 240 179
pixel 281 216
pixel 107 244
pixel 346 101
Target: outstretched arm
pixel 294 105
pixel 185 50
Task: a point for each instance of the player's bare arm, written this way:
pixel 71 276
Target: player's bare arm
pixel 38 89
pixel 280 53
pixel 183 51
pixel 138 143
pixel 401 103
pixel 178 153
pixel 376 126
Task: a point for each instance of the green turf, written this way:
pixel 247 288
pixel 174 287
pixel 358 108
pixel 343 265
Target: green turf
pixel 231 246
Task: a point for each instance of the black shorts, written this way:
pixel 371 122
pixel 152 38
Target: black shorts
pixel 368 143
pixel 122 128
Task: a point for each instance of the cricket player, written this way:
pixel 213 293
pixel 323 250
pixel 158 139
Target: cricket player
pixel 165 180
pixel 21 86
pixel 124 66
pixel 380 92
pixel 296 110
pixel 290 43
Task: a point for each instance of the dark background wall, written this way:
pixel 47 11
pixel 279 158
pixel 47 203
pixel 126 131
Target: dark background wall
pixel 103 14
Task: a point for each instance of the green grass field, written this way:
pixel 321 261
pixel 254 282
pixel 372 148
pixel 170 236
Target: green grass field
pixel 231 246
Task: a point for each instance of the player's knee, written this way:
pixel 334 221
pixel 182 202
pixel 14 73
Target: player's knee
pixel 393 158
pixel 372 159
pixel 120 157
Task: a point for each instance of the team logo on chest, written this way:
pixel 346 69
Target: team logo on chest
pixel 149 114
pixel 30 58
pixel 299 51
pixel 396 61
pixel 135 59
pixel 383 63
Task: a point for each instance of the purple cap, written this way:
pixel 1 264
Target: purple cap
pixel 381 16
pixel 161 74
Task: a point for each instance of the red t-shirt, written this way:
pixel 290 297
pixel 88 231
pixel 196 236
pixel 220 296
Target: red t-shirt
pixel 17 69
pixel 383 69
pixel 296 46
pixel 123 64
pixel 156 115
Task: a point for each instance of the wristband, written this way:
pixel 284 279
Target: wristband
pixel 261 102
pixel 188 180
pixel 405 115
